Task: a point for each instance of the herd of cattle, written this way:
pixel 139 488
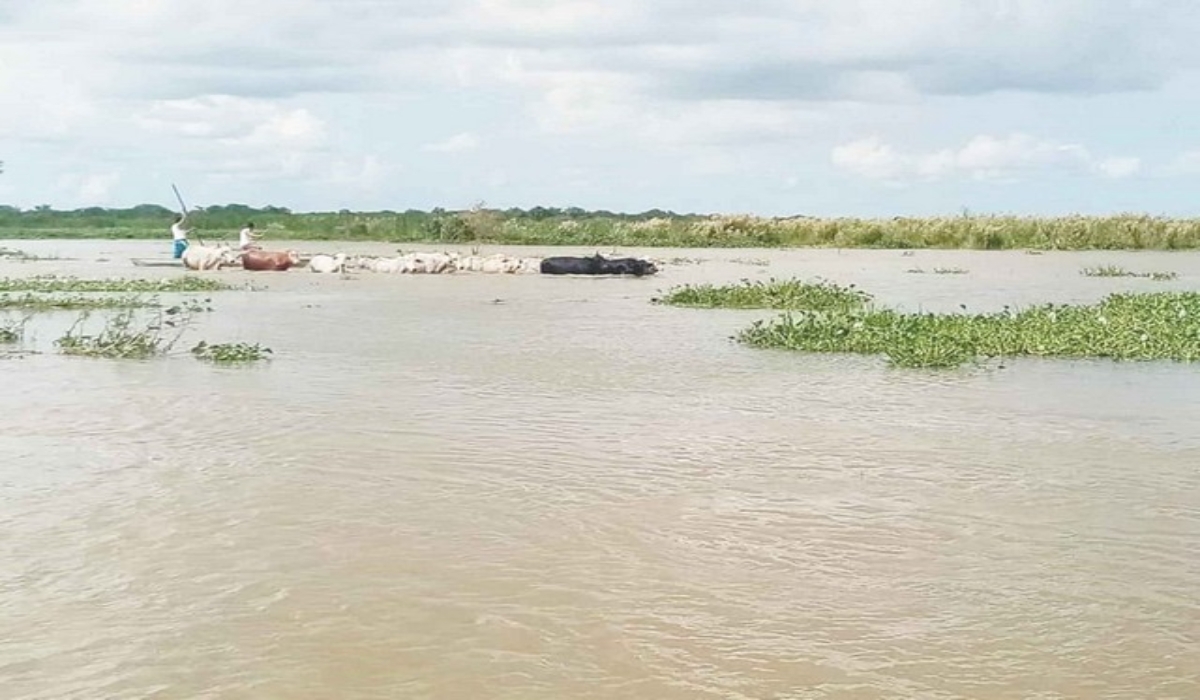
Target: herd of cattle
pixel 197 257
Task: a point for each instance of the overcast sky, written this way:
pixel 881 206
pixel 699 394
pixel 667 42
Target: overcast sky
pixel 822 107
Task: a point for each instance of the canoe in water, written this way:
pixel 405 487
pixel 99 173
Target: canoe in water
pixel 157 262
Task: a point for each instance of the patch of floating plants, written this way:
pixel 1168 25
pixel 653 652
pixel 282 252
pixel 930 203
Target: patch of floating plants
pixel 74 302
pixel 1145 326
pixel 230 353
pixel 938 271
pixel 12 331
pixel 770 294
pixel 125 336
pixel 73 284
pixel 121 337
pixel 22 256
pixel 1118 271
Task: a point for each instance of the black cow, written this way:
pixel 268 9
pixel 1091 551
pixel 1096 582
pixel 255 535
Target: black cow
pixel 596 265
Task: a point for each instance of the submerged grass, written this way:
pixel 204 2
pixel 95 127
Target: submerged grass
pixel 1118 271
pixel 938 271
pixel 121 337
pixel 773 294
pixel 12 331
pixel 125 336
pixel 1154 326
pixel 51 283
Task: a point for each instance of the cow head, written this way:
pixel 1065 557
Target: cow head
pixel 229 256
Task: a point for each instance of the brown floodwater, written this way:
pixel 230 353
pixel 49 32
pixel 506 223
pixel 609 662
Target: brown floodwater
pixel 493 486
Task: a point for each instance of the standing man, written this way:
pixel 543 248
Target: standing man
pixel 180 235
pixel 248 236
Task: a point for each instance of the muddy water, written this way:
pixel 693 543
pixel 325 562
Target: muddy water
pixel 535 487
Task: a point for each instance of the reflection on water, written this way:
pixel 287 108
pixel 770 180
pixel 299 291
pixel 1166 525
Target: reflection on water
pixel 575 493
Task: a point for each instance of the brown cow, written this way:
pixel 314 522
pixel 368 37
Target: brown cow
pixel 269 259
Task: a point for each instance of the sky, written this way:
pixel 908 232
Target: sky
pixel 767 107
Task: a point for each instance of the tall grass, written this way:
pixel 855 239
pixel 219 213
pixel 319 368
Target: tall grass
pixel 982 232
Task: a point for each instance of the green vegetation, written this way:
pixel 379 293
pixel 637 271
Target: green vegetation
pixel 1118 271
pixel 121 338
pixel 938 271
pixel 772 294
pixel 577 227
pixel 39 302
pixel 229 353
pixel 12 331
pixel 51 283
pixel 1158 326
pixel 124 336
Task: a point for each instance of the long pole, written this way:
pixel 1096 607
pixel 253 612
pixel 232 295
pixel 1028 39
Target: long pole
pixel 185 209
pixel 180 198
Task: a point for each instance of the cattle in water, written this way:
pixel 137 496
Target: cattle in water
pixel 200 257
pixel 328 263
pixel 272 260
pixel 596 265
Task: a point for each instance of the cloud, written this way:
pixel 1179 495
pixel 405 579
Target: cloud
pixel 1186 163
pixel 1118 168
pixel 694 88
pixel 235 121
pixel 984 157
pixel 458 143
pixel 96 188
pixel 89 189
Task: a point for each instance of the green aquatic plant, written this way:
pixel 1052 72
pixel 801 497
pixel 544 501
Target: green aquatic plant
pixel 1107 271
pixel 42 302
pixel 821 295
pixel 1157 326
pixel 124 336
pixel 229 353
pixel 51 283
pixel 938 271
pixel 1118 271
pixel 12 331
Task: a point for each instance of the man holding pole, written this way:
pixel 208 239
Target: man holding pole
pixel 179 234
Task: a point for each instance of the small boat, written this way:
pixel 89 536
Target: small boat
pixel 157 262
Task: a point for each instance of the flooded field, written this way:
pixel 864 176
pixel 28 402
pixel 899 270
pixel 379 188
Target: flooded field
pixel 495 486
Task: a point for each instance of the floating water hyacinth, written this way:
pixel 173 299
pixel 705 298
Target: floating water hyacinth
pixel 74 284
pixel 1153 326
pixel 821 295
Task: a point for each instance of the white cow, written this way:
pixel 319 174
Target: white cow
pixel 328 263
pixel 528 265
pixel 200 257
pixel 497 263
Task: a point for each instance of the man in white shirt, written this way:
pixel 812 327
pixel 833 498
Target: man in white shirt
pixel 179 234
pixel 248 236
